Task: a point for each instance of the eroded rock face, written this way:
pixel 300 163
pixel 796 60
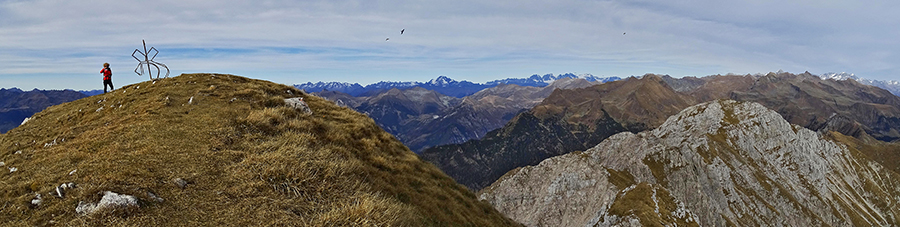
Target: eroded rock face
pixel 714 164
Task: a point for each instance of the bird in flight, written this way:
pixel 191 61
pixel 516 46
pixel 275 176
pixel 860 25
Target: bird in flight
pixel 401 31
pixel 388 38
pixel 623 33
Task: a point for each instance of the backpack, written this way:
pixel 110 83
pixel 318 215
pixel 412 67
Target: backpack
pixel 107 73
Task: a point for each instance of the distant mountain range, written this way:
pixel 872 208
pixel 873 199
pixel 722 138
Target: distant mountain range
pixel 575 120
pixel 91 92
pixel 566 121
pixel 423 118
pixel 16 105
pixel 443 85
pixel 893 86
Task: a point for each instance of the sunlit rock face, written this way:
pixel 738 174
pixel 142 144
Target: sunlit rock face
pixel 718 163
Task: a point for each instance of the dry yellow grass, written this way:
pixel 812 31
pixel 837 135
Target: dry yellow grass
pixel 248 161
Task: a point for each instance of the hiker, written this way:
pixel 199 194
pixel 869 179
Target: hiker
pixel 107 77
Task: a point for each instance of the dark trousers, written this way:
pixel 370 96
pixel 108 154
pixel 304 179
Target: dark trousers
pixel 107 82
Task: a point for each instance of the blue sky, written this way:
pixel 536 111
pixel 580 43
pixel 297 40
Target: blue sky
pixel 59 44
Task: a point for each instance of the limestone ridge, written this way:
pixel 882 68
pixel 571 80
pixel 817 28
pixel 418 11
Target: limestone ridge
pixel 720 163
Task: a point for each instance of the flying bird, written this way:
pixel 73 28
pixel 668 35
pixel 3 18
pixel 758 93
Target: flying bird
pixel 623 33
pixel 401 31
pixel 388 38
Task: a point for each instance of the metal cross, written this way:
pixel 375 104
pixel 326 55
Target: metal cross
pixel 149 61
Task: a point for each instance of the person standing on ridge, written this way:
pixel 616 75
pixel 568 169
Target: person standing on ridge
pixel 107 77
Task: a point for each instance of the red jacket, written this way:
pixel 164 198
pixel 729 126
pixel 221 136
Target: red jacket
pixel 107 73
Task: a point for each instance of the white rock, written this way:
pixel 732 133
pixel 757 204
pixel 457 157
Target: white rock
pixel 26 120
pixel 60 190
pixel 13 169
pixel 73 171
pixel 110 200
pixel 50 144
pixel 37 200
pixel 299 104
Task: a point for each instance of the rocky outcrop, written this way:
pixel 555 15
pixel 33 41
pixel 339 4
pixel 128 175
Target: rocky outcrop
pixel 720 163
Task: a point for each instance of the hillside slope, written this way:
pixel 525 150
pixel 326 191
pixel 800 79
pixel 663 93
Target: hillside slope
pixel 721 163
pixel 220 150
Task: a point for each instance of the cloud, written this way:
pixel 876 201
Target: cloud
pixel 299 41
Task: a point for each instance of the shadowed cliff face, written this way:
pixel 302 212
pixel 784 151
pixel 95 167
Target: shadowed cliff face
pixel 720 163
pixel 566 121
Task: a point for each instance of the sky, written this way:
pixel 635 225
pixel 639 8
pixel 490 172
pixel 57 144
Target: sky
pixel 62 44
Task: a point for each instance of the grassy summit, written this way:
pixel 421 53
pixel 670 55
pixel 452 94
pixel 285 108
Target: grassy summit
pixel 222 150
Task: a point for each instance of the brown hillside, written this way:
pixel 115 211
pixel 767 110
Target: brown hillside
pixel 637 104
pixel 846 106
pixel 222 150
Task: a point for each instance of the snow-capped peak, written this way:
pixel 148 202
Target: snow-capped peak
pixel 839 76
pixel 441 81
pixel 892 86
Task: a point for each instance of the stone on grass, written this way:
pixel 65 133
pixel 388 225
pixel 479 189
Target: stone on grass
pixel 37 200
pixel 181 183
pixel 110 200
pixel 298 104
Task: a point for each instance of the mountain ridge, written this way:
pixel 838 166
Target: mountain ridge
pixel 567 120
pixel 719 163
pixel 452 120
pixel 804 99
pixel 443 84
pixel 891 85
